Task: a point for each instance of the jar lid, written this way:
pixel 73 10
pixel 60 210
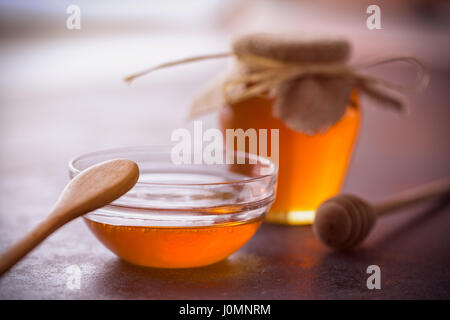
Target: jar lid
pixel 291 48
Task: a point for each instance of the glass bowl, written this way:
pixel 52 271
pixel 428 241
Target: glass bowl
pixel 181 215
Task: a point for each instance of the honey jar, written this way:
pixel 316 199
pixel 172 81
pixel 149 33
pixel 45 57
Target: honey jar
pixel 311 168
pixel 312 160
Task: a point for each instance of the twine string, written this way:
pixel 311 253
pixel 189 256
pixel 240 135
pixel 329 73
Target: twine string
pixel 263 75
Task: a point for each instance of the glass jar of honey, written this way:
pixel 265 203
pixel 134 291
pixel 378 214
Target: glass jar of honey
pixel 311 168
pixel 316 113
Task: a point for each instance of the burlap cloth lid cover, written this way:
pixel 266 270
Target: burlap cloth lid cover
pixel 310 103
pixel 289 48
pixel 309 79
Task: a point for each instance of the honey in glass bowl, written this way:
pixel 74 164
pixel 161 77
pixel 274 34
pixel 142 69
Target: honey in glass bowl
pixel 181 215
pixel 174 247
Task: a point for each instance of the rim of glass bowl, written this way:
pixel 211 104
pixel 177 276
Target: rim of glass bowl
pixel 74 171
pixel 138 213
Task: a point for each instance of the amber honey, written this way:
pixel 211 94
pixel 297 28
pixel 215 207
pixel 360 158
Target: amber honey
pixel 311 168
pixel 180 216
pixel 174 247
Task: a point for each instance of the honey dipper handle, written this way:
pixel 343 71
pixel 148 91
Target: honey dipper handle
pixel 28 243
pixel 411 196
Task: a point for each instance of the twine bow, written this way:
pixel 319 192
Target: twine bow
pixel 262 76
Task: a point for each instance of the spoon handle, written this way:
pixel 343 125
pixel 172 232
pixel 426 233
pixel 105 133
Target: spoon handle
pixel 408 197
pixel 28 242
pixel 92 189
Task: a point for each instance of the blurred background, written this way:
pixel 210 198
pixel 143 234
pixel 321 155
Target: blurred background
pixel 62 93
pixel 61 90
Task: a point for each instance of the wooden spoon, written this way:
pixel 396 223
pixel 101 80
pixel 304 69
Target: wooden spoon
pixel 93 188
pixel 344 221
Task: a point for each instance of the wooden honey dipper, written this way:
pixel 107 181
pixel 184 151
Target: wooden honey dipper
pixel 344 221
